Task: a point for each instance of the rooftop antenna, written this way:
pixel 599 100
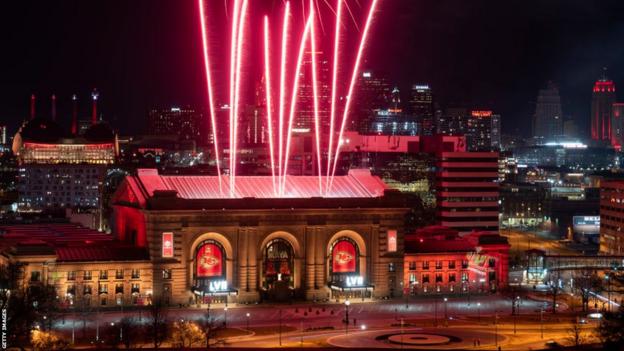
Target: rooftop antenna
pixel 32 106
pixel 53 107
pixel 94 96
pixel 74 125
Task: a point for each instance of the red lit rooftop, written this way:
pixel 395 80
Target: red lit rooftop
pixel 357 184
pixel 68 242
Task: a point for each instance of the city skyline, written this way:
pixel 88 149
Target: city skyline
pixel 118 40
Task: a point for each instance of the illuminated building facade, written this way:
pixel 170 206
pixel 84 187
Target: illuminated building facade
pixel 257 247
pixel 421 106
pixel 186 122
pixel 439 261
pixel 57 172
pixel 617 121
pixel 467 191
pixel 88 269
pixel 611 220
pixel 483 131
pixel 603 97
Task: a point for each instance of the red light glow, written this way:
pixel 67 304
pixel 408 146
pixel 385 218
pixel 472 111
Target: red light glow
pixel 290 67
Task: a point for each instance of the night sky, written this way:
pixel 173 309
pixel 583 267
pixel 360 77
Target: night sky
pixel 142 53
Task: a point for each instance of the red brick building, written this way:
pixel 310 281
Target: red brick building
pixel 438 261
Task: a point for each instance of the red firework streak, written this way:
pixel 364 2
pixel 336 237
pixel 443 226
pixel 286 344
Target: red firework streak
pixel 356 67
pixel 279 168
pixel 269 95
pixel 213 122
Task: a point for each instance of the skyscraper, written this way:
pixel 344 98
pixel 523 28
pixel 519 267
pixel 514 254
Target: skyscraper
pixel 548 119
pixel 421 106
pixel 617 125
pixel 603 97
pixel 483 131
pixel 373 95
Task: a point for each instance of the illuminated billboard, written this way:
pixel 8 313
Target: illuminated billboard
pixel 209 261
pixel 392 240
pixel 167 244
pixel 586 224
pixel 344 257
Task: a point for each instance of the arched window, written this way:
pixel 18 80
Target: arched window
pixel 278 262
pixel 344 259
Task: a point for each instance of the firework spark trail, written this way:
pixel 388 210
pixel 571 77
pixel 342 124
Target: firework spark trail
pixel 351 14
pixel 332 114
pixel 269 104
pixel 356 68
pixel 239 46
pixel 282 92
pixel 320 17
pixel 293 101
pixel 213 123
pixel 232 80
pixel 317 124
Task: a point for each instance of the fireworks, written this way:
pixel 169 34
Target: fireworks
pixel 290 68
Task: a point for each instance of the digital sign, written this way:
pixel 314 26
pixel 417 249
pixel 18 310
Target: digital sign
pixel 344 257
pixel 482 113
pixel 167 245
pixel 586 224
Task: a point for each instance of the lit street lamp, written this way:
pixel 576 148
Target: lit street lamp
pixel 479 312
pixel 225 317
pixel 248 315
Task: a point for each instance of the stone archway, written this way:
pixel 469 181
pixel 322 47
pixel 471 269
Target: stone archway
pixel 280 277
pixel 359 272
pixel 228 251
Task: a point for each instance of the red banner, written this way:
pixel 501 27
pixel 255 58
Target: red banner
pixel 392 240
pixel 209 261
pixel 344 257
pixel 167 245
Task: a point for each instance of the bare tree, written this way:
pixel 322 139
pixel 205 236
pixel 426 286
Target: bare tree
pixel 186 334
pixel 586 282
pixel 132 332
pixel 554 287
pixel 576 334
pixel 157 328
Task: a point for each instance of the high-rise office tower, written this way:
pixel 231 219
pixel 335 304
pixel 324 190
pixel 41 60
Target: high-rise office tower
pixel 304 120
pixel 617 125
pixel 603 97
pixel 374 94
pixel 183 121
pixel 483 131
pixel 548 119
pixel 453 121
pixel 421 106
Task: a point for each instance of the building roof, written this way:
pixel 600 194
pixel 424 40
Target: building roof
pixel 357 184
pixel 69 242
pixel 439 246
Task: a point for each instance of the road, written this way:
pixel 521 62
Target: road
pixel 316 325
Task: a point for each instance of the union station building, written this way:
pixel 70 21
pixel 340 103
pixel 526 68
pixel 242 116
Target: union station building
pixel 206 246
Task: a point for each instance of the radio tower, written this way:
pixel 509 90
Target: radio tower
pixel 32 106
pixel 94 96
pixel 53 107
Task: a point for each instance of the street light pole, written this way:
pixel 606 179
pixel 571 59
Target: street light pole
pixel 445 312
pixel 479 312
pixel 542 322
pixel 248 315
pixel 347 303
pixel 225 316
pixel 435 312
